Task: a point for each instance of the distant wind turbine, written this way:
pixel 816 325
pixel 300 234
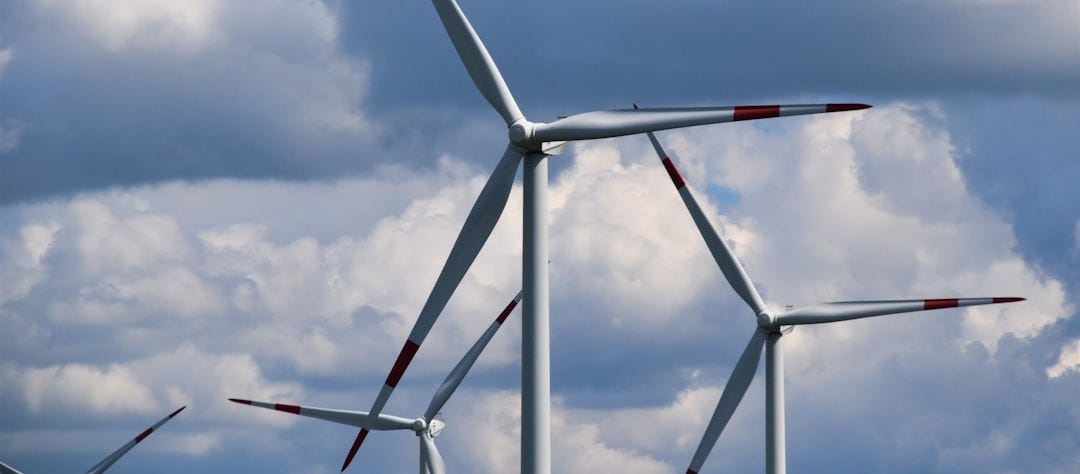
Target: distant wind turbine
pixel 110 459
pixel 426 426
pixel 533 142
pixel 768 333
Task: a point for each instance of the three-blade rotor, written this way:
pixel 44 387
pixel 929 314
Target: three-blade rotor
pixel 745 369
pixel 527 137
pixel 426 427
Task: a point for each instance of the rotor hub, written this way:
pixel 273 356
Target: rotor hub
pixel 523 134
pixel 419 425
pixel 767 321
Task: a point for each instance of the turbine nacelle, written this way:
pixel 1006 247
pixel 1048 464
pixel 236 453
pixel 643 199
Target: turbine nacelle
pixel 432 428
pixel 435 427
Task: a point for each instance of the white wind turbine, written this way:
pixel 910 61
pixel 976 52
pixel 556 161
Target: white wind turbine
pixel 426 426
pixel 768 333
pixel 533 142
pixel 110 459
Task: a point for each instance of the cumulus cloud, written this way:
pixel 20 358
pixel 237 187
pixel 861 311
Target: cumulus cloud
pixel 119 26
pixel 487 430
pixel 1068 360
pixel 154 91
pixel 23 259
pixel 5 58
pixel 146 386
pixel 77 386
pixel 222 295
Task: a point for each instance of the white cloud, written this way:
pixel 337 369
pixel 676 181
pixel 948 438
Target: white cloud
pixel 10 132
pixel 184 27
pixel 856 206
pixel 115 390
pixel 158 383
pixel 487 430
pixel 5 58
pixel 23 259
pixel 1068 360
pixel 871 205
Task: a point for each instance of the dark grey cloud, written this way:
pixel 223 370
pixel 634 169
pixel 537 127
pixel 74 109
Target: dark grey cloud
pixel 218 93
pixel 89 112
pixel 571 56
pixel 96 106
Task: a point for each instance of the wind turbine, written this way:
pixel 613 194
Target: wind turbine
pixel 110 459
pixel 426 426
pixel 533 142
pixel 769 332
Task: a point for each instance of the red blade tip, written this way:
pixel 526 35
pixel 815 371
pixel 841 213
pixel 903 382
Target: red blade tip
pixel 845 107
pixel 242 402
pixel 178 410
pixel 1011 299
pixel 355 446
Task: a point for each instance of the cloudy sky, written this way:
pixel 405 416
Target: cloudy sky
pixel 211 199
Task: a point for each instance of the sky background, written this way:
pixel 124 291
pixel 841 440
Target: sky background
pixel 211 199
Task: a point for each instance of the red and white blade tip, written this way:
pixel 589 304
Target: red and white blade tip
pixel 754 112
pixel 958 302
pixel 285 407
pixel 509 309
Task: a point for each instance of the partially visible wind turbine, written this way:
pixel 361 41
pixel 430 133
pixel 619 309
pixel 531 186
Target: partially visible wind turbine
pixel 533 142
pixel 110 459
pixel 768 333
pixel 426 426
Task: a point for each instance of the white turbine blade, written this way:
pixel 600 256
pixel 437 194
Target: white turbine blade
pixel 431 455
pixel 110 459
pixel 725 258
pixel 450 384
pixel 478 226
pixel 736 387
pixel 845 310
pixel 5 469
pixel 616 123
pixel 485 74
pixel 352 418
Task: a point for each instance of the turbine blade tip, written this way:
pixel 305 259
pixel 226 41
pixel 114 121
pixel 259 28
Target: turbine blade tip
pixel 1009 299
pixel 355 447
pixel 845 107
pixel 240 401
pixel 178 410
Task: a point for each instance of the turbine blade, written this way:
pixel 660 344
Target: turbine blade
pixel 485 74
pixel 352 418
pixel 5 469
pixel 478 226
pixel 845 310
pixel 725 258
pixel 431 455
pixel 450 384
pixel 736 387
pixel 110 459
pixel 616 123
pixel 354 448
